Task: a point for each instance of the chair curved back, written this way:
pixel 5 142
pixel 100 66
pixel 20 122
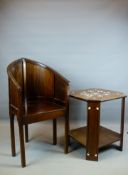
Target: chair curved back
pixel 29 80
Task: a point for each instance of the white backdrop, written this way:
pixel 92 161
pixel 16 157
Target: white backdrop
pixel 85 40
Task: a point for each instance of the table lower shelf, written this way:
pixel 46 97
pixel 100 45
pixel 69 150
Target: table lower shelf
pixel 106 136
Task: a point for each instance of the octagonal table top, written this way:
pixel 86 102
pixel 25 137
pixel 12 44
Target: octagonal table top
pixel 97 94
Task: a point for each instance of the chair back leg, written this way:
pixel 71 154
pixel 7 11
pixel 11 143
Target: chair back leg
pixel 26 133
pixel 12 130
pixel 22 147
pixel 67 138
pixel 54 132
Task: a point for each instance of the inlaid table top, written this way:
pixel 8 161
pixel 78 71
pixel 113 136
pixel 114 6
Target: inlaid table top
pixel 96 94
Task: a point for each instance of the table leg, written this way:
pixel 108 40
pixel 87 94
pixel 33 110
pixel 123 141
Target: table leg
pixel 122 123
pixel 93 122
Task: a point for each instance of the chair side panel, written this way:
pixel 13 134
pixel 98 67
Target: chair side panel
pixel 15 83
pixel 17 72
pixel 61 89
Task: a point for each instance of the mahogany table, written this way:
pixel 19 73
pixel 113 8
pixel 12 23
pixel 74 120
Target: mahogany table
pixel 93 136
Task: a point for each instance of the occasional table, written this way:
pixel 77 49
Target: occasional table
pixel 93 136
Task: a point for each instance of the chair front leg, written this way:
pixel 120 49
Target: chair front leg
pixel 54 132
pixel 26 133
pixel 22 147
pixel 67 138
pixel 12 131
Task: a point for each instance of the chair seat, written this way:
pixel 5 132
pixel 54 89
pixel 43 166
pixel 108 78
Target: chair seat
pixel 40 108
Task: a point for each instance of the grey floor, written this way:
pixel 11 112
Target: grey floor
pixel 44 158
